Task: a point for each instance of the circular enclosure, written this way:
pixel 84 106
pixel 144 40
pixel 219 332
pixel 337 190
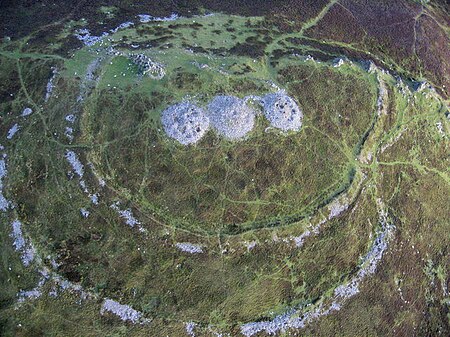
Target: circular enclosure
pixel 201 176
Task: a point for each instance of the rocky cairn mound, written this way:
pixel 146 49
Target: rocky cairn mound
pixel 185 122
pixel 148 67
pixel 282 112
pixel 231 117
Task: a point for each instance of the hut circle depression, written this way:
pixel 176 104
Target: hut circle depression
pixel 231 117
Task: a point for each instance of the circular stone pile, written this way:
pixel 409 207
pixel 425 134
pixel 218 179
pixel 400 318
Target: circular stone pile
pixel 185 122
pixel 148 67
pixel 282 112
pixel 231 117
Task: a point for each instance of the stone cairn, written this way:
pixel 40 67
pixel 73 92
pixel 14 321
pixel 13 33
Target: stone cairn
pixel 230 116
pixel 148 67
